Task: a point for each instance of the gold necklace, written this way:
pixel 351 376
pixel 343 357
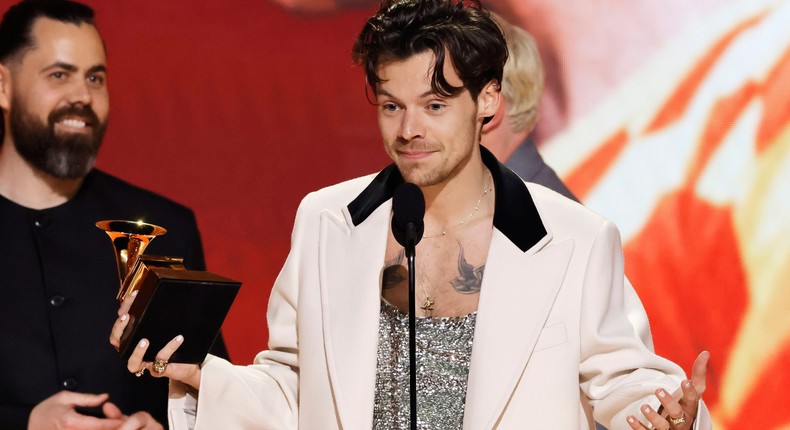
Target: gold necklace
pixel 427 305
pixel 464 220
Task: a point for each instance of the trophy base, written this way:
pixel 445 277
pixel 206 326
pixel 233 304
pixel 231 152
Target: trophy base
pixel 176 301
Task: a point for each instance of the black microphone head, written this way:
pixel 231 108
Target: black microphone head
pixel 408 210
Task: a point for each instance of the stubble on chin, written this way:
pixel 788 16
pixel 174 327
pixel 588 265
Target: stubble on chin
pixel 422 176
pixel 421 172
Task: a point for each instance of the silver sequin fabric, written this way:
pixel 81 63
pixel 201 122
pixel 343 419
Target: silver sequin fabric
pixel 444 347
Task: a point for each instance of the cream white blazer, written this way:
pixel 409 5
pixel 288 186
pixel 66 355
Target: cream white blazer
pixel 553 346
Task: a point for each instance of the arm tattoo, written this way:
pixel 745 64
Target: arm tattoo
pixel 470 278
pixel 394 272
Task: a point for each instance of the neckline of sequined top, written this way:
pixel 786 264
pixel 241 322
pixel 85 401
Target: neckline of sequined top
pixel 389 307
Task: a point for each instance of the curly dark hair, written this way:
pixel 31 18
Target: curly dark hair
pixel 403 28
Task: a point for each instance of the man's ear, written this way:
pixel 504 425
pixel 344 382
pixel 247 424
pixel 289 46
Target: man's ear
pixel 488 102
pixel 498 117
pixel 5 87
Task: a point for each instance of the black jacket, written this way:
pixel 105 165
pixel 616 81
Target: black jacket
pixel 57 297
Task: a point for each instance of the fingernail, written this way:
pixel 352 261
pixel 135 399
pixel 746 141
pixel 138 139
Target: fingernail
pixel 662 393
pixel 646 409
pixel 179 338
pixel 124 317
pixel 631 420
pixel 142 343
pixel 134 293
pixel 687 384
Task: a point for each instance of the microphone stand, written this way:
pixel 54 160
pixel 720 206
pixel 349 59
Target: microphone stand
pixel 410 252
pixel 408 211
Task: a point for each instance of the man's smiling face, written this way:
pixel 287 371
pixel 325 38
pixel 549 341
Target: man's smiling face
pixel 59 101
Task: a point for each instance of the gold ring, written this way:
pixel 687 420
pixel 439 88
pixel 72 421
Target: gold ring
pixel 159 366
pixel 140 372
pixel 677 421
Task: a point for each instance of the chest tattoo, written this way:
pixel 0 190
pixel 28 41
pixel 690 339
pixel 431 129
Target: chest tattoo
pixel 394 272
pixel 470 278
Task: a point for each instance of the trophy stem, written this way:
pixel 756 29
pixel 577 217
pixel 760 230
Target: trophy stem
pixel 129 240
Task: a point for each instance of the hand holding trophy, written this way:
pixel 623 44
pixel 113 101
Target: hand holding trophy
pixel 188 374
pixel 164 299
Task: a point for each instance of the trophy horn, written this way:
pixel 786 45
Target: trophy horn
pixel 129 240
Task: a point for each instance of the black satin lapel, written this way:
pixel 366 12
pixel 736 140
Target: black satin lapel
pixel 515 214
pixel 379 191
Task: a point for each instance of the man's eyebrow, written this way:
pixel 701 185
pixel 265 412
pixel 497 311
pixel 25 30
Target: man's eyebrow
pixel 429 93
pixel 60 65
pixel 98 68
pixel 381 92
pixel 72 68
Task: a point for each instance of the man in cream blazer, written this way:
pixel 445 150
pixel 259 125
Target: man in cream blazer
pixel 553 347
pixel 552 344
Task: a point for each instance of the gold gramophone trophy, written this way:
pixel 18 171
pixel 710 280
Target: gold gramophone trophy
pixel 129 240
pixel 171 299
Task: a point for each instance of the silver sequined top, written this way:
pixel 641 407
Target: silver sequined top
pixel 444 347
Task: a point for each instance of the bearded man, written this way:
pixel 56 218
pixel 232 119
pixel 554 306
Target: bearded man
pixel 59 277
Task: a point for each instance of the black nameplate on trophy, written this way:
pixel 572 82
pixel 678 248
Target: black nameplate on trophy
pixel 172 301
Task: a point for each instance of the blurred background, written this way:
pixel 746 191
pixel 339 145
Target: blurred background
pixel 672 118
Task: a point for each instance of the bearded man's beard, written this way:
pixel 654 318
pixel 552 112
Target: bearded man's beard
pixel 61 155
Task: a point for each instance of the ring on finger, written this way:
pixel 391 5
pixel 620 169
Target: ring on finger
pixel 159 366
pixel 677 421
pixel 140 372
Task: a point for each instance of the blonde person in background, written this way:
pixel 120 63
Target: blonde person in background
pixel 509 134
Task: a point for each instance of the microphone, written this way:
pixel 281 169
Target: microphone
pixel 408 209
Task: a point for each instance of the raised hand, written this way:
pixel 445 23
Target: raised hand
pixel 679 411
